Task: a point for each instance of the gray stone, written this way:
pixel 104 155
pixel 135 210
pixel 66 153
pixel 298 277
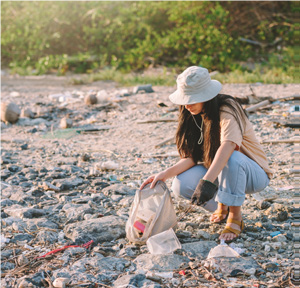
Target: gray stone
pixel 3 215
pixel 99 230
pixel 33 213
pixel 250 271
pixel 38 279
pixel 127 252
pixel 199 249
pixel 76 212
pixel 126 201
pixel 7 202
pixel 118 189
pixel 228 264
pixel 103 277
pixel 10 220
pixel 99 183
pixel 166 262
pixel 64 273
pixel 24 237
pixel 14 168
pixel 145 88
pixel 270 266
pixel 7 266
pixel 74 251
pixel 24 212
pixel 102 263
pixel 5 254
pixel 279 238
pixel 67 184
pixel 201 234
pixel 282 216
pixel 35 193
pixel 72 169
pixel 278 207
pixel 19 226
pixel 136 280
pixel 47 236
pixel 5 160
pixel 5 173
pixel 116 198
pixel 35 224
pixel 263 205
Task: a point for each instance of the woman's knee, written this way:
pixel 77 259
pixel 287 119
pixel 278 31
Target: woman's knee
pixel 181 189
pixel 235 160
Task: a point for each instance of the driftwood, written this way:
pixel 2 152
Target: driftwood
pixel 274 141
pixel 157 120
pixel 258 105
pixel 287 123
pixel 170 154
pixel 165 142
pixel 289 98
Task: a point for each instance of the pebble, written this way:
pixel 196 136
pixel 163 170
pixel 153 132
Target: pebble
pixel 282 216
pixel 146 88
pixel 250 271
pixel 66 123
pixel 262 205
pixel 267 248
pixel 22 260
pixel 279 238
pixel 202 234
pixel 61 282
pixel 270 267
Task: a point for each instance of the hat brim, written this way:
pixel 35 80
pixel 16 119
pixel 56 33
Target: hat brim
pixel 206 94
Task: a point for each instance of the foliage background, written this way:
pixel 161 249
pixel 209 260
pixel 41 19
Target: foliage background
pixel 84 37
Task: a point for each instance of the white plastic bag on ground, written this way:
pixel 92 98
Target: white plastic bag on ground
pixel 163 243
pixel 152 212
pixel 222 250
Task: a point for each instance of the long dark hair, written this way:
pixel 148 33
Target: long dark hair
pixel 188 133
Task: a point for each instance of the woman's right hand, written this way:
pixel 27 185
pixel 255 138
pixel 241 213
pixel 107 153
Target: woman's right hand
pixel 154 178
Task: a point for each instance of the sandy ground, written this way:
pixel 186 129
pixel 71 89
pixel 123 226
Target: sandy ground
pixel 133 145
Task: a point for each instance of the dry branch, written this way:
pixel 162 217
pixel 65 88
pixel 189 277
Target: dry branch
pixel 165 142
pixel 156 120
pixel 274 141
pixel 257 106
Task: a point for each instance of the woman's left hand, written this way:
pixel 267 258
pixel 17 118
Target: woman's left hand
pixel 204 191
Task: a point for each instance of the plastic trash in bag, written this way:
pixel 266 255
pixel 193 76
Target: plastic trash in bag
pixel 222 250
pixel 163 243
pixel 151 213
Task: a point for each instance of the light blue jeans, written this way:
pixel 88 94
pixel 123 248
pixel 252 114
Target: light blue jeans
pixel 241 175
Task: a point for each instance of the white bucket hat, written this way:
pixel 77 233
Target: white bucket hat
pixel 195 86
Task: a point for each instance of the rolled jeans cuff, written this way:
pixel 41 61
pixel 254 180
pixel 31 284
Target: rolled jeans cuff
pixel 229 199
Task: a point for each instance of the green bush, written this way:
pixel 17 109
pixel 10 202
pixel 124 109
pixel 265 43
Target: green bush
pixel 83 36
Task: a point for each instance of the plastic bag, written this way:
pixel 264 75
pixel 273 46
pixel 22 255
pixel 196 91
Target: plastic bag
pixel 222 250
pixel 152 212
pixel 163 243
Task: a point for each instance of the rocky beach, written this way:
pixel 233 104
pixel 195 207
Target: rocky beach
pixel 72 163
